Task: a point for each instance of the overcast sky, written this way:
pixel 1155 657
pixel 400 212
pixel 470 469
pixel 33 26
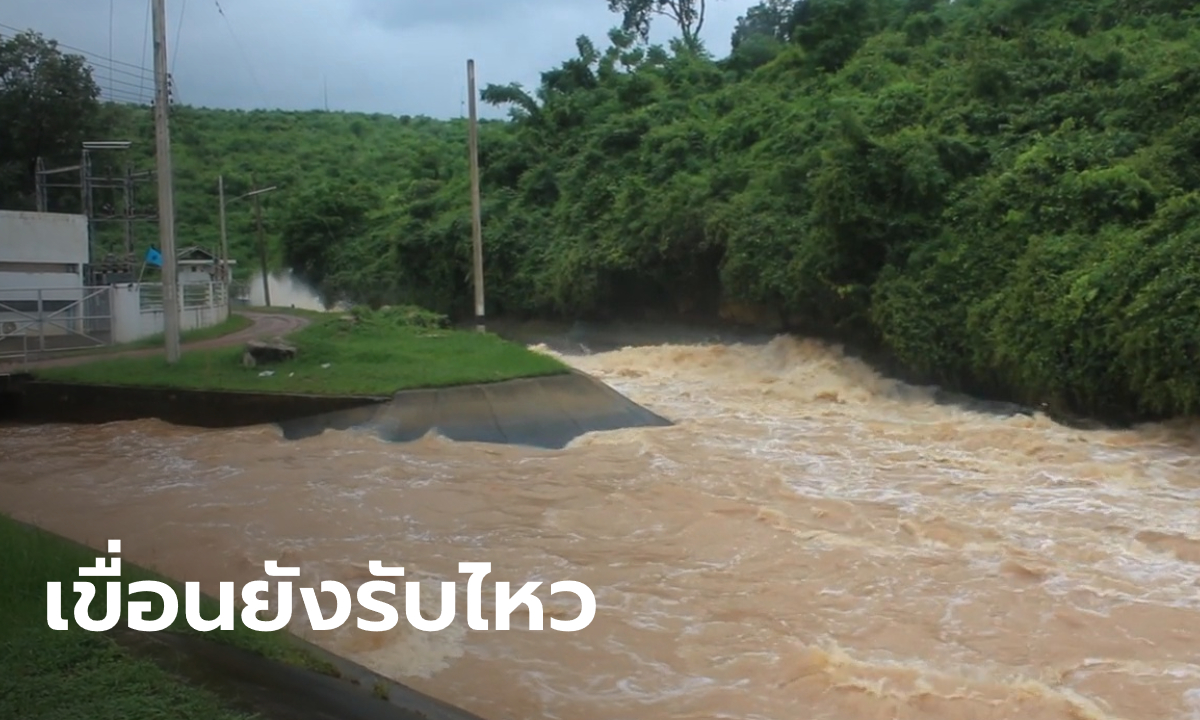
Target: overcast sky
pixel 389 56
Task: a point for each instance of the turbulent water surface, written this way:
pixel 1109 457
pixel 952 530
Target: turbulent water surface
pixel 809 541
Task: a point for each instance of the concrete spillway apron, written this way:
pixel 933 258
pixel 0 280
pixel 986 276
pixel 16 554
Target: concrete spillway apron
pixel 276 691
pixel 273 690
pixel 545 412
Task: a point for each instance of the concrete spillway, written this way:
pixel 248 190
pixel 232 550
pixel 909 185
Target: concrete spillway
pixel 546 412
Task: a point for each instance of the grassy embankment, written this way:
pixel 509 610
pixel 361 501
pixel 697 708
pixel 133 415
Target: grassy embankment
pixel 376 353
pixel 74 673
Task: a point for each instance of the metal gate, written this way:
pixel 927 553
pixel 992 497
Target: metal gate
pixel 35 322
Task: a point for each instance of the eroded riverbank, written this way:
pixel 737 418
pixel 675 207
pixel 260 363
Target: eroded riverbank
pixel 809 536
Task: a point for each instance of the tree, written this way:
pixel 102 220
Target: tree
pixel 319 218
pixel 769 19
pixel 636 15
pixel 47 101
pixel 831 31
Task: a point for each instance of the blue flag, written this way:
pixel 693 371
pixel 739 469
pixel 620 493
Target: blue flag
pixel 153 257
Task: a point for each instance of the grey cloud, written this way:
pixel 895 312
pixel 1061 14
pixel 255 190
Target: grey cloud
pixel 409 14
pixel 389 56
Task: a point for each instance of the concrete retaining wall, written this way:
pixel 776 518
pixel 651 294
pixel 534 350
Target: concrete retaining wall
pixel 546 412
pixel 47 402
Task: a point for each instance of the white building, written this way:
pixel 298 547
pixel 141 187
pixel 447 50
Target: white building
pixel 42 264
pixel 42 251
pixel 45 304
pixel 197 265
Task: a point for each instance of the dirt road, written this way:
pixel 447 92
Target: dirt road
pixel 265 324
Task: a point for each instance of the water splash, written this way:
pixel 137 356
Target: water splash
pixel 287 290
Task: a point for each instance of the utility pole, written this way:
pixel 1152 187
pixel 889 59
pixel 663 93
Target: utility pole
pixel 127 209
pixel 476 212
pixel 40 184
pixel 166 199
pixel 224 236
pixel 262 243
pixel 85 199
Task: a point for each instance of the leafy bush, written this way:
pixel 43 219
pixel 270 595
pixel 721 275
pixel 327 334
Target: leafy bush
pixel 409 316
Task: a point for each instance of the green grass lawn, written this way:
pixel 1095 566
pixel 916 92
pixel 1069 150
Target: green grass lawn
pixel 379 353
pixel 78 674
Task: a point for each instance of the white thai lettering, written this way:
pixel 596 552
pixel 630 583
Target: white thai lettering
pixel 340 614
pixel 586 614
pixel 475 619
pixel 412 607
pixel 105 568
pixel 378 570
pixel 138 610
pixel 87 592
pixel 389 613
pixel 225 615
pixel 254 605
pixel 506 605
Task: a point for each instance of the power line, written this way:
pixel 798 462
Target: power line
pixel 133 86
pixel 122 97
pixel 129 91
pixel 119 78
pixel 245 58
pixel 118 74
pixel 178 33
pixel 111 13
pixel 125 85
pixel 126 82
pixel 85 53
pixel 117 100
pixel 145 42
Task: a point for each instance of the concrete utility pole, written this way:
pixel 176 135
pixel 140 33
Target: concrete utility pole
pixel 224 236
pixel 262 243
pixel 127 209
pixel 476 220
pixel 166 199
pixel 85 200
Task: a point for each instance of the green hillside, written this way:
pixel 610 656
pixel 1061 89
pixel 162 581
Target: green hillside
pixel 306 155
pixel 1001 195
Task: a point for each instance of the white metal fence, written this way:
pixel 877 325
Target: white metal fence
pixel 239 293
pixel 40 322
pixel 47 320
pixel 193 296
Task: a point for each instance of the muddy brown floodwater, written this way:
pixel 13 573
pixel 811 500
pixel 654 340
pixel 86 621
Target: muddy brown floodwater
pixel 810 541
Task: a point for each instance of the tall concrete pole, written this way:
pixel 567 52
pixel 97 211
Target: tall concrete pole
pixel 262 243
pixel 224 236
pixel 166 195
pixel 476 220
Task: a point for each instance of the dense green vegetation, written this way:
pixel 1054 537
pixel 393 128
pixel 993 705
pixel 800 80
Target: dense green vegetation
pixel 1002 196
pixel 46 673
pixel 368 352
